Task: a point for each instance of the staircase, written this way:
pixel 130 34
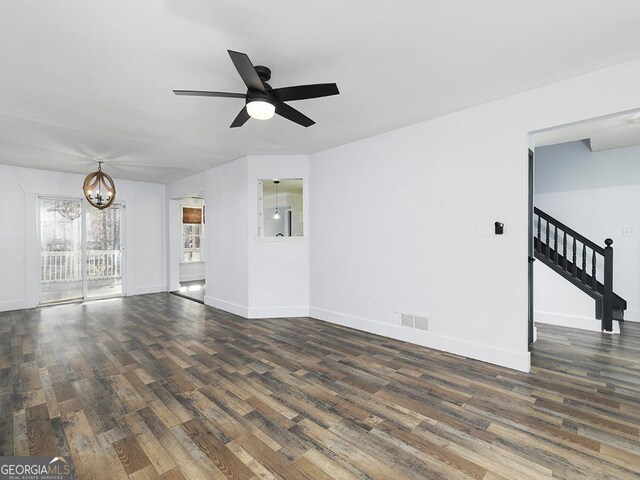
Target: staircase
pixel 580 261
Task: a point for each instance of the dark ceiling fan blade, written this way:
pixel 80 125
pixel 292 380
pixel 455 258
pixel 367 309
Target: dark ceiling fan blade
pixel 241 119
pixel 303 92
pixel 246 70
pixel 292 114
pixel 199 93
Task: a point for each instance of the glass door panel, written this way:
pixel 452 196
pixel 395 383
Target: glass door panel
pixel 104 251
pixel 60 249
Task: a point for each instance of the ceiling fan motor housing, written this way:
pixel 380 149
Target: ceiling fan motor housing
pixel 255 95
pixel 263 72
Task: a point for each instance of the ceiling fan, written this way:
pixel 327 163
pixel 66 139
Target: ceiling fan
pixel 262 101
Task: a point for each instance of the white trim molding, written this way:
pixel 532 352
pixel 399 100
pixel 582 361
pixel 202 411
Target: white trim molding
pixel 13 305
pixel 227 306
pixel 278 312
pixel 148 289
pixel 506 358
pixel 191 278
pixel 572 321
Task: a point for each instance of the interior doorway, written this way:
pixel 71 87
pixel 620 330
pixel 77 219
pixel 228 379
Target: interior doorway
pixel 188 231
pixel 586 191
pixel 81 250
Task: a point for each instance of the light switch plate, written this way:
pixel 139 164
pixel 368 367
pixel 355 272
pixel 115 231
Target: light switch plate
pixel 629 231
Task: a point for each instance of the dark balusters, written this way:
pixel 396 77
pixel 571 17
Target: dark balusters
pixel 593 271
pixel 575 264
pixel 607 280
pixel 547 253
pixel 564 250
pixel 571 266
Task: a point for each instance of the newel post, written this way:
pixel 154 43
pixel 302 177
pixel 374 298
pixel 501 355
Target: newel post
pixel 607 311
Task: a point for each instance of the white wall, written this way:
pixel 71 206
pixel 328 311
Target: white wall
pixel 573 166
pixel 227 246
pixel 402 219
pixel 144 232
pixel 558 302
pixel 597 194
pixel 278 267
pixel 246 275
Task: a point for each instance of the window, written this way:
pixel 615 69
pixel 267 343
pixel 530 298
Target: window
pixel 192 232
pixel 280 207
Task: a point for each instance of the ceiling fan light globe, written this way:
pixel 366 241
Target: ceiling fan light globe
pixel 276 216
pixel 261 110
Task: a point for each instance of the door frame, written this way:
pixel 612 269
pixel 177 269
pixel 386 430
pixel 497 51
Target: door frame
pixel 530 252
pixel 38 251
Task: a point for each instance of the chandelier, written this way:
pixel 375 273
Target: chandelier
pixel 68 209
pixel 99 189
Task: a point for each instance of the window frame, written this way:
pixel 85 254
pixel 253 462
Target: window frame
pixel 183 236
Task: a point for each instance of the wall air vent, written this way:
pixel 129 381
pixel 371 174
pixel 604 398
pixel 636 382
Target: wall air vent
pixel 407 320
pixel 414 321
pixel 421 322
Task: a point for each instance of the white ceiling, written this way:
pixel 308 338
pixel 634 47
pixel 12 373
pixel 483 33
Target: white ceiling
pixel 85 80
pixel 286 185
pixel 606 133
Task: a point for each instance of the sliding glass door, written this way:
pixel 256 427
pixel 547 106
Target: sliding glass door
pixel 81 254
pixel 104 251
pixel 60 250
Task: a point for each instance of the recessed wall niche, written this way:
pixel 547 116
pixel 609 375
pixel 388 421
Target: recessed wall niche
pixel 280 207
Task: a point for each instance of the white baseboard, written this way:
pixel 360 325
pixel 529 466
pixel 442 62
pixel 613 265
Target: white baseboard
pixel 191 278
pixel 632 315
pixel 278 312
pixel 148 289
pixel 227 306
pixel 12 305
pixel 507 358
pixel 572 321
pixel 173 287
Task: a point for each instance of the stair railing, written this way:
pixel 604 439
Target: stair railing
pixel 549 231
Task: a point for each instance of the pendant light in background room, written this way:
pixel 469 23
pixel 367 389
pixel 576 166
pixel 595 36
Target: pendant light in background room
pixel 276 215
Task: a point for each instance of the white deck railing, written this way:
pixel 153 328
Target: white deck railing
pixel 67 266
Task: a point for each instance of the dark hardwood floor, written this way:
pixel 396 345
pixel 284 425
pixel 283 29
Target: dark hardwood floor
pixel 194 290
pixel 157 386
